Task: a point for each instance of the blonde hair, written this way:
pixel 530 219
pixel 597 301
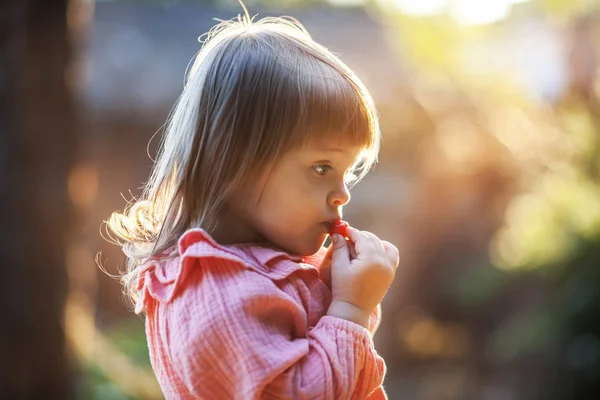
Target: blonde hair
pixel 255 90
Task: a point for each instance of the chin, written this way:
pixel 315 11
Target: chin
pixel 307 247
pixel 314 246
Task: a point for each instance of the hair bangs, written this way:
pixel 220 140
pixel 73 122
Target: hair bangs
pixel 336 108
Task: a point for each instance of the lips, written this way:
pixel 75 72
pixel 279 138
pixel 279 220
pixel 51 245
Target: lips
pixel 329 224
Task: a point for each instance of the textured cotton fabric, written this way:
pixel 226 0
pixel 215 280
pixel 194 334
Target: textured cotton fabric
pixel 248 322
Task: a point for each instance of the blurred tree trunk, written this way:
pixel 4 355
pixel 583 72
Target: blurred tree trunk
pixel 36 152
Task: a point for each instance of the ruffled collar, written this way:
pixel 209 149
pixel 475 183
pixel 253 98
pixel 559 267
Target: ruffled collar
pixel 161 279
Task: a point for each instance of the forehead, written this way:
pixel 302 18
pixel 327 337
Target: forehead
pixel 339 147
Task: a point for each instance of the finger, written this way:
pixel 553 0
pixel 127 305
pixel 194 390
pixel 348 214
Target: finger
pixel 392 252
pixel 377 243
pixel 341 251
pixel 352 249
pixel 362 242
pixel 353 234
pixel 325 268
pixel 329 252
pixel 386 247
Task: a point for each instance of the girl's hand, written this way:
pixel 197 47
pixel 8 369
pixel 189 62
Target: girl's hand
pixel 341 227
pixel 325 268
pixel 359 284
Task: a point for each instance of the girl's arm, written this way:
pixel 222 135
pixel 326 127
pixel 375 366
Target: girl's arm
pixel 234 334
pixel 325 276
pixel 375 320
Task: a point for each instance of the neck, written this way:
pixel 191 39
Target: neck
pixel 231 230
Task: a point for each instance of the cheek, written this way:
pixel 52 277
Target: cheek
pixel 287 208
pixel 282 206
pixel 289 200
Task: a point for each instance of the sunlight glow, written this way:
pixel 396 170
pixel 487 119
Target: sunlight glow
pixel 419 8
pixel 346 3
pixel 425 337
pixel 476 12
pixel 465 12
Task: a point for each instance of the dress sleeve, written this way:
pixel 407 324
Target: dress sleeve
pixel 232 334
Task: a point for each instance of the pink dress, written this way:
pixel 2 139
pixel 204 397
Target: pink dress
pixel 248 322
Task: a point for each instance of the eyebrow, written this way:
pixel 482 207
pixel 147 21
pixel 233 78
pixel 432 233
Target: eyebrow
pixel 328 149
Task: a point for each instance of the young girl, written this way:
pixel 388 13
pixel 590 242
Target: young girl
pixel 225 245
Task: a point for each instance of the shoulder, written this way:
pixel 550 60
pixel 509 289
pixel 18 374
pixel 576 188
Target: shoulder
pixel 201 262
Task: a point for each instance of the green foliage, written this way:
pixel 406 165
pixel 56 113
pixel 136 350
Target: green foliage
pixel 93 384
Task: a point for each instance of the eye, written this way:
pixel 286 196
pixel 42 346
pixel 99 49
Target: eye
pixel 322 169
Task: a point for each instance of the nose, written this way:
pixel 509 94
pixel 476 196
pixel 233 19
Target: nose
pixel 340 196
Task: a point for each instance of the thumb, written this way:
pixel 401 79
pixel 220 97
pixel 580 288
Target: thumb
pixel 341 252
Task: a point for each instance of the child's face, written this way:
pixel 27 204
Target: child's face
pixel 293 206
